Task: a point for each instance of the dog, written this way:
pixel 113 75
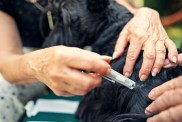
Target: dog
pixel 98 23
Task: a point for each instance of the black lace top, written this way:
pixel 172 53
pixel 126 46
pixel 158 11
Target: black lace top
pixel 27 17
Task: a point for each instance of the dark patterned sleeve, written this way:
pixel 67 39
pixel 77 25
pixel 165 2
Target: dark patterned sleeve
pixel 7 7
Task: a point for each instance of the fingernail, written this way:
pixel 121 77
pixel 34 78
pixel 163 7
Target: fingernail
pixel 143 77
pixel 147 112
pixel 174 59
pixel 151 95
pixel 155 72
pixel 114 55
pixel 127 74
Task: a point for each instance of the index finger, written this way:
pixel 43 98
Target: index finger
pixel 132 55
pixel 90 61
pixel 172 84
pixel 121 43
pixel 168 99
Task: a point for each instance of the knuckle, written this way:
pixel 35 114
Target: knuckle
pixel 57 54
pixel 131 56
pixel 167 97
pixel 146 69
pixel 138 43
pixel 150 56
pixel 171 85
pixel 161 51
pixel 159 64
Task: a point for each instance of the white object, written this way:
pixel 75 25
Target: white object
pixel 52 106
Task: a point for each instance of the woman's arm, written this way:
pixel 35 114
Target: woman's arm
pixel 11 50
pixel 57 67
pixel 10 41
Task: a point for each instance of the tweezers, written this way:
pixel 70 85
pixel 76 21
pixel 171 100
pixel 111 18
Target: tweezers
pixel 119 78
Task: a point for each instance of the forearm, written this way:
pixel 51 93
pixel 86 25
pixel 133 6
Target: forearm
pixel 137 11
pixel 11 63
pixel 14 69
pixel 10 41
pixel 127 5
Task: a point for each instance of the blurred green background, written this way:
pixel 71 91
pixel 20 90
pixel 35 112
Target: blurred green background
pixel 165 8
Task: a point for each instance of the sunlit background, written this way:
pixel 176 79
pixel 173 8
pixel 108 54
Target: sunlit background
pixel 169 11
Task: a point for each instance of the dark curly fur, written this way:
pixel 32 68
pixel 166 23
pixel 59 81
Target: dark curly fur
pixel 86 22
pixel 116 103
pixel 98 23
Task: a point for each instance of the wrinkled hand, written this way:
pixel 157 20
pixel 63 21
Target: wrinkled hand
pixel 145 32
pixel 168 102
pixel 168 98
pixel 60 68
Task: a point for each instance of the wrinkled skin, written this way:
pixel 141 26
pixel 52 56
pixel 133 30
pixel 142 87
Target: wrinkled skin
pixel 145 32
pixel 167 98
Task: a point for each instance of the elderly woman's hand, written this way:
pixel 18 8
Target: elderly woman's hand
pixel 60 68
pixel 145 32
pixel 168 102
pixel 167 98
